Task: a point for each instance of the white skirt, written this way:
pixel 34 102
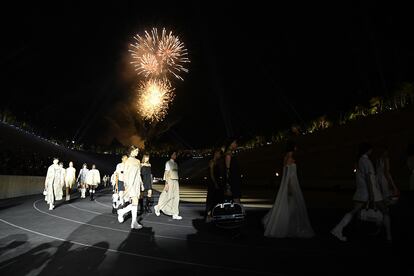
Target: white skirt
pixel 169 200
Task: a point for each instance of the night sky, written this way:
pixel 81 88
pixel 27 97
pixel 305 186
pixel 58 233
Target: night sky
pixel 255 68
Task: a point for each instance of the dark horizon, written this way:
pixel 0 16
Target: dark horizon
pixel 254 70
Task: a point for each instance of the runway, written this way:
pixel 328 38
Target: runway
pixel 83 237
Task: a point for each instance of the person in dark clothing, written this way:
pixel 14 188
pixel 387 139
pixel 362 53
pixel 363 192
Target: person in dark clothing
pixel 232 172
pixel 214 189
pixel 146 176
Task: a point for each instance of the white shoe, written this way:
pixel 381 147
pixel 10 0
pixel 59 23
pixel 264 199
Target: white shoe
pixel 51 207
pixel 338 235
pixel 157 212
pixel 177 217
pixel 67 197
pixel 120 216
pixel 135 225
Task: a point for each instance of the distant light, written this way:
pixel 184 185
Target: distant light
pixel 354 170
pixel 277 174
pixel 205 177
pixel 241 176
pixel 73 142
pixel 187 178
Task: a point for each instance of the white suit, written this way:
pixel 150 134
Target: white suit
pixel 93 178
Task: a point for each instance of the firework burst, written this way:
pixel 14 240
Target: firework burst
pixel 156 55
pixel 148 66
pixel 154 97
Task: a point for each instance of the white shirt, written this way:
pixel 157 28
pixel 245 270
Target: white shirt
pixel 120 170
pixel 365 166
pixel 172 168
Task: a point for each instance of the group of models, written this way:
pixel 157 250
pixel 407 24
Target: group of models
pixel 58 179
pixel 133 187
pixel 132 181
pixel 375 188
pixel 288 217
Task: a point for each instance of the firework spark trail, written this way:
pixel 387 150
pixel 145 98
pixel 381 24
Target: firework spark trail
pixel 173 53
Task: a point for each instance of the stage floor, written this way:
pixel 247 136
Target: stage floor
pixel 83 237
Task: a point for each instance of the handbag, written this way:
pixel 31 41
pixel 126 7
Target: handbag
pixel 228 215
pixel 371 214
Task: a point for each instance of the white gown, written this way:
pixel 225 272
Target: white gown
pixel 288 217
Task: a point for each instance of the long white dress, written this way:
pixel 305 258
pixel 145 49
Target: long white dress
pixel 70 177
pixel 288 216
pixel 169 199
pixel 52 183
pixel 364 172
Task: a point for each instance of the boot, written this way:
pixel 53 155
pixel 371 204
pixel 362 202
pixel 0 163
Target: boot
pixel 150 202
pixel 141 206
pixel 91 192
pixel 337 231
pixel 122 212
pixel 134 222
pixel 147 205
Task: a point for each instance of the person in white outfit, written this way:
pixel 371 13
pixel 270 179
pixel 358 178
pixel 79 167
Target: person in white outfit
pixel 170 196
pixel 133 187
pixel 93 179
pixel 118 180
pixel 70 179
pixel 288 216
pixel 59 191
pixel 52 183
pixel 384 178
pixel 367 191
pixel 120 176
pixel 105 180
pixel 82 179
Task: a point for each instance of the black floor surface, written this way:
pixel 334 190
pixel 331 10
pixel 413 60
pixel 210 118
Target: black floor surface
pixel 83 237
